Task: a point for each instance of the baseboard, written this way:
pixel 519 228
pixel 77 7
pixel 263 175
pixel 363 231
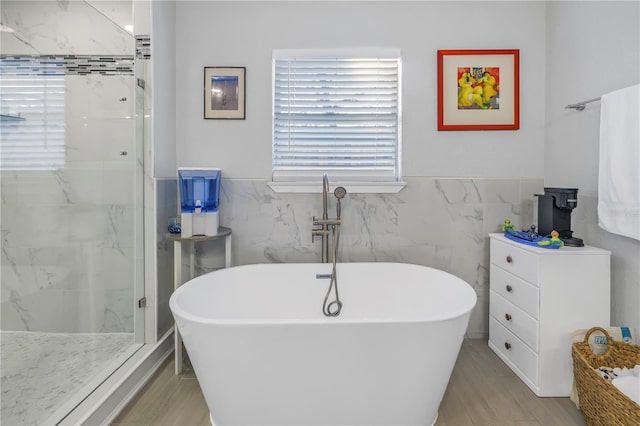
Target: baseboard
pixel 106 402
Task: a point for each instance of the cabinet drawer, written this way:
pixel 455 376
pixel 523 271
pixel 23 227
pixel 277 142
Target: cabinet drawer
pixel 515 290
pixel 514 319
pixel 515 260
pixel 512 348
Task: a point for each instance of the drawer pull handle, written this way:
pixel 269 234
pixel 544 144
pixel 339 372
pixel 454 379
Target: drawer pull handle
pixel 507 317
pixel 509 259
pixel 507 345
pixel 509 288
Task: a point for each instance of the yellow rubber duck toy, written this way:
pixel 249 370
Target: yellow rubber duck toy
pixel 553 241
pixel 507 226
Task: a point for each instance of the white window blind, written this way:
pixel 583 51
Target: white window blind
pixel 32 123
pixel 337 114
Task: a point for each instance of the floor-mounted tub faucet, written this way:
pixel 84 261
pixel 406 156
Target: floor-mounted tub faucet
pixel 325 222
pixel 330 308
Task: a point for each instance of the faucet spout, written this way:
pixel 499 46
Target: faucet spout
pixel 325 191
pixel 325 216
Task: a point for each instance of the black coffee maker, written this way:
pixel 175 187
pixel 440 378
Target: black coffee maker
pixel 554 213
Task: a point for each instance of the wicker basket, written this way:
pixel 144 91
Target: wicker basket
pixel 601 403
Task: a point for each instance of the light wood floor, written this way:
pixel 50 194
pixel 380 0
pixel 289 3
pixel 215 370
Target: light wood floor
pixel 482 391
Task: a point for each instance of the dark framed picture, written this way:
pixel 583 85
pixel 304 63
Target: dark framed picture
pixel 224 92
pixel 479 89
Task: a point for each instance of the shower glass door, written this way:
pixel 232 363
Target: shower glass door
pixel 71 204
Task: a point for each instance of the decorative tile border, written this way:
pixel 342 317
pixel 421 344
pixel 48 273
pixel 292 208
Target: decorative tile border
pixel 143 47
pixel 67 65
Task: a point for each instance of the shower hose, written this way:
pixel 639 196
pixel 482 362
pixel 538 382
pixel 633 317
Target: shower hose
pixel 332 309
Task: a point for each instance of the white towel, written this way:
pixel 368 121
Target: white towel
pixel 629 385
pixel 619 175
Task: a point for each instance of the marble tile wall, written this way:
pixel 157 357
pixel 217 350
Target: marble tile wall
pixel 68 235
pixel 443 223
pixel 166 206
pixel 66 27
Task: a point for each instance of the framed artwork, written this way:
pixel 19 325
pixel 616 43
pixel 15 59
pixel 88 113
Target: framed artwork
pixel 479 89
pixel 224 92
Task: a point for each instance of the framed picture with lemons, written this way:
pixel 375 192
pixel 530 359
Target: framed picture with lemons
pixel 479 89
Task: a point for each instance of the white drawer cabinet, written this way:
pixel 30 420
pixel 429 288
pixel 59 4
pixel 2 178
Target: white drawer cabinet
pixel 537 299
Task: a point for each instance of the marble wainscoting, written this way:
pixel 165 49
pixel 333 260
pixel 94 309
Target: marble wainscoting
pixel 443 223
pixel 166 205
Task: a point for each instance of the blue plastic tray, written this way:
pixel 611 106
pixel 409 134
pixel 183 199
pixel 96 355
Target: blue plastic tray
pixel 524 238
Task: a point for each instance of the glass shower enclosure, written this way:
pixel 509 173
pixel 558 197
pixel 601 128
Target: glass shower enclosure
pixel 71 203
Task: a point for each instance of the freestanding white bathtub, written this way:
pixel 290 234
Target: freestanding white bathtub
pixel 264 354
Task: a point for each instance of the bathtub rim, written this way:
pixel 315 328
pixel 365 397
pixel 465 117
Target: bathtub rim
pixel 320 320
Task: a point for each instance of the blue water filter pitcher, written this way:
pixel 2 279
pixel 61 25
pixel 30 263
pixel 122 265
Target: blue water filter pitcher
pixel 199 198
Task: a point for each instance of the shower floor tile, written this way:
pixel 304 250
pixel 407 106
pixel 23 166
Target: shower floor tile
pixel 42 371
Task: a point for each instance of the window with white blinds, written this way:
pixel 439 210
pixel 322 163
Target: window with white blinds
pixel 32 123
pixel 338 114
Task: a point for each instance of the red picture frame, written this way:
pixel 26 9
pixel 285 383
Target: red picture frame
pixel 479 89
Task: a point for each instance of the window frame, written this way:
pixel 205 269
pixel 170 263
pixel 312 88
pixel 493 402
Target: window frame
pixel 308 182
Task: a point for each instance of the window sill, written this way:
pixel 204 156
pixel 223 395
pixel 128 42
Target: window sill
pixel 351 187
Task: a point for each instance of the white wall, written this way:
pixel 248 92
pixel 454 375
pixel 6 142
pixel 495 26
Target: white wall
pixel 244 34
pixel 434 221
pixel 592 48
pixel 163 157
pixel 570 51
pixel 163 46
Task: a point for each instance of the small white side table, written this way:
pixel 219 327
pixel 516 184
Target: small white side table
pixel 177 270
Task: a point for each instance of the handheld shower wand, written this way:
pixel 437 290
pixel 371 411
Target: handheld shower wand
pixel 339 193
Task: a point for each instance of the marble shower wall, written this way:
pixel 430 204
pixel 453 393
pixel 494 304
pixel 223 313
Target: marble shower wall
pixel 443 223
pixel 68 255
pixel 66 27
pixel 68 234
